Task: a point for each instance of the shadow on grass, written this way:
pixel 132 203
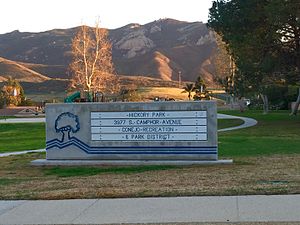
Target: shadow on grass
pixel 8 181
pixel 90 171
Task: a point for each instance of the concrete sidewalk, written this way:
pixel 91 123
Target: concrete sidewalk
pixel 153 210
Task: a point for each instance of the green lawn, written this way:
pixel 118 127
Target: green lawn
pixel 275 133
pixel 21 136
pixel 224 123
pixel 6 117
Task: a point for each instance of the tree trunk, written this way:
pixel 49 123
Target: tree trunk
pixel 231 101
pixel 296 106
pixel 65 135
pixel 241 103
pixel 265 102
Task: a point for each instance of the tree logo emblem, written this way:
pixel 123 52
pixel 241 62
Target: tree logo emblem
pixel 65 123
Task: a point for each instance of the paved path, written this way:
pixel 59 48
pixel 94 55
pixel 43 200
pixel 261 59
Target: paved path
pixel 21 152
pixel 248 122
pixel 23 120
pixel 153 210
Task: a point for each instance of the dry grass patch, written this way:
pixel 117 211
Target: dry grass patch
pixel 248 175
pixel 163 92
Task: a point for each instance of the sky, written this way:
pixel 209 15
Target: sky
pixel 42 15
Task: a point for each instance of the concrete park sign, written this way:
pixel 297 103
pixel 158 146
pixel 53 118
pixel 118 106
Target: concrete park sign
pixel 155 132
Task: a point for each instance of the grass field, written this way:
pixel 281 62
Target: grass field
pixel 266 161
pixel 17 137
pixel 6 117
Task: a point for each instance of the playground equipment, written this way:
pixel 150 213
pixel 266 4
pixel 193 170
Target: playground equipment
pixel 72 97
pixel 88 97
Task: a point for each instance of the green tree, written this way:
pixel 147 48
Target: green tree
pixel 189 88
pixel 201 92
pixel 285 19
pixel 262 37
pixel 12 93
pixel 223 64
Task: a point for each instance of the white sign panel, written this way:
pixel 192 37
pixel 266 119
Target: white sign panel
pixel 150 137
pixel 149 129
pixel 148 114
pixel 149 126
pixel 148 122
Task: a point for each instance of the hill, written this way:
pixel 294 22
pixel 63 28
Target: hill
pixel 19 72
pixel 161 49
pixel 51 71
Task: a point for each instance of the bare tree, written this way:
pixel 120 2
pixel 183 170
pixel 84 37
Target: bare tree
pixel 92 67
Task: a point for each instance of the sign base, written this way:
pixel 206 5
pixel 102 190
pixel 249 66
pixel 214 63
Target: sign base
pixel 45 162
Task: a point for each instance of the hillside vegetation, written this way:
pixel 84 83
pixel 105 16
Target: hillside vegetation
pixel 19 72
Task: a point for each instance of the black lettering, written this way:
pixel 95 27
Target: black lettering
pixel 138 114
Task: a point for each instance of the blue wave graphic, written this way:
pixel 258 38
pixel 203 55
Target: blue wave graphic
pixel 55 143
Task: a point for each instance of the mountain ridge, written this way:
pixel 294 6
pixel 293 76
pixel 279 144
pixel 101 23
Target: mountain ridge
pixel 160 49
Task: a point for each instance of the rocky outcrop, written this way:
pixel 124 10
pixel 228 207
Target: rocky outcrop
pixel 135 43
pixel 206 39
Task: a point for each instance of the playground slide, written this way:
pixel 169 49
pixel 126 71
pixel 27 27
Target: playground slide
pixel 72 97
